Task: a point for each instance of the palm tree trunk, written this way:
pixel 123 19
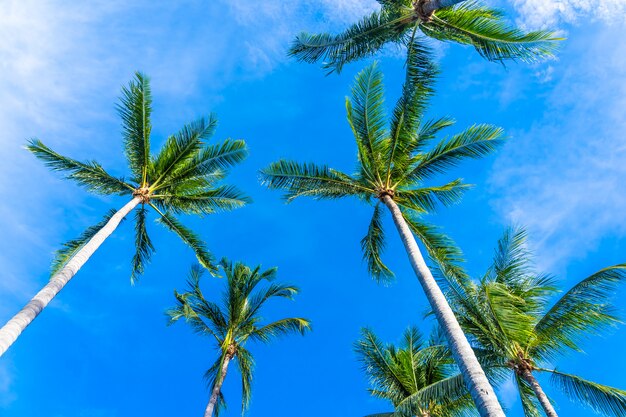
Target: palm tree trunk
pixel 15 326
pixel 217 388
pixel 479 387
pixel 541 396
pixel 429 6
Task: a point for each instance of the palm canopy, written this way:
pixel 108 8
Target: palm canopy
pixel 419 377
pixel 394 162
pixel 237 319
pixel 182 178
pixel 514 325
pixel 398 22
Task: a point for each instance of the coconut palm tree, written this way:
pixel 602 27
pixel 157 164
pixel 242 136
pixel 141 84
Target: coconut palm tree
pixel 418 378
pixel 403 21
pixel 182 178
pixel 393 166
pixel 509 316
pixel 234 322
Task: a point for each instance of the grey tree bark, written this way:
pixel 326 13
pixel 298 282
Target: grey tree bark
pixel 477 383
pixel 541 396
pixel 16 325
pixel 217 388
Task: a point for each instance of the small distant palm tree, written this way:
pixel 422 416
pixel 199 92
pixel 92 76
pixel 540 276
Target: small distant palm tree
pixel 181 179
pixel 517 329
pixel 392 170
pixel 398 22
pixel 234 322
pixel 418 378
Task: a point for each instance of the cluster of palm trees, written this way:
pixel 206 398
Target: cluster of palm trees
pixel 502 325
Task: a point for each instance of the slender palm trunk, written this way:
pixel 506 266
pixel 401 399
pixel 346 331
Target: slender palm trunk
pixel 541 396
pixel 479 387
pixel 14 327
pixel 217 388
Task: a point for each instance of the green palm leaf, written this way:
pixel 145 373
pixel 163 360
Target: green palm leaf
pixel 143 245
pixel 373 245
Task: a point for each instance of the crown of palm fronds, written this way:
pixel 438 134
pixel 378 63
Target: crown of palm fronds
pixel 511 318
pixel 398 22
pixel 418 377
pixel 237 319
pixel 394 162
pixel 182 178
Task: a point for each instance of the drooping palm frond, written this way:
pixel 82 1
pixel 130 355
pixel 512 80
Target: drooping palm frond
pixel 601 398
pixel 90 175
pixel 143 244
pixel 428 199
pixel 581 312
pixel 135 109
pixel 373 245
pixel 470 23
pixel 213 200
pixel 245 363
pixel 69 249
pixel 192 240
pixel 530 403
pixel 310 180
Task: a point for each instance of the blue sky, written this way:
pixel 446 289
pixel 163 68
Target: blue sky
pixel 102 348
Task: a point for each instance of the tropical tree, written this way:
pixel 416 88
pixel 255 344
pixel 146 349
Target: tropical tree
pixel 234 322
pixel 393 166
pixel 418 378
pixel 409 22
pixel 182 178
pixel 517 329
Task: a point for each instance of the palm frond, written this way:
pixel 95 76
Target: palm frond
pixel 224 198
pixel 89 175
pixel 427 199
pixel 245 362
pixel 485 29
pixel 181 147
pixel 530 403
pixel 442 392
pixel 475 142
pixel 584 310
pixel 601 398
pixel 135 108
pixel 190 238
pixel 70 248
pixel 279 328
pixel 143 245
pixel 373 245
pixel 311 180
pixel 360 40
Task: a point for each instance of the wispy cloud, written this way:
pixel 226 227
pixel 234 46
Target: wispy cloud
pixel 548 13
pixel 564 177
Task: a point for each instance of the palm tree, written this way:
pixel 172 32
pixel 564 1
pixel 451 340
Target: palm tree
pixel 392 168
pixel 418 378
pixel 398 22
pixel 234 322
pixel 518 330
pixel 181 179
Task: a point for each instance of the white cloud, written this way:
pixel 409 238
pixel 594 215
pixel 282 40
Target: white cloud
pixel 548 13
pixel 565 177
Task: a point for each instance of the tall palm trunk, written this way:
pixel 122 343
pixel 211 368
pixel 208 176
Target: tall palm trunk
pixel 14 327
pixel 541 396
pixel 481 391
pixel 217 388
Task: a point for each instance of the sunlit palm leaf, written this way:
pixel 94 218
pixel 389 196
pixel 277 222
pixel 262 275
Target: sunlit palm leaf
pixel 373 245
pixel 143 245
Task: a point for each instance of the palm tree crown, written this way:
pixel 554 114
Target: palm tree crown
pixel 418 377
pixel 236 320
pixel 398 22
pixel 182 178
pixel 516 327
pixel 394 162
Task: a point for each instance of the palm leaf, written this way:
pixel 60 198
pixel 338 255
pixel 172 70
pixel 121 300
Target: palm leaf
pixel 89 175
pixel 143 245
pixel 373 245
pixel 427 199
pixel 135 109
pixel 210 201
pixel 279 328
pixel 70 248
pixel 601 398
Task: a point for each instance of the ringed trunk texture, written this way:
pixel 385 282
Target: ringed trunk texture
pixel 477 384
pixel 217 388
pixel 16 325
pixel 541 396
